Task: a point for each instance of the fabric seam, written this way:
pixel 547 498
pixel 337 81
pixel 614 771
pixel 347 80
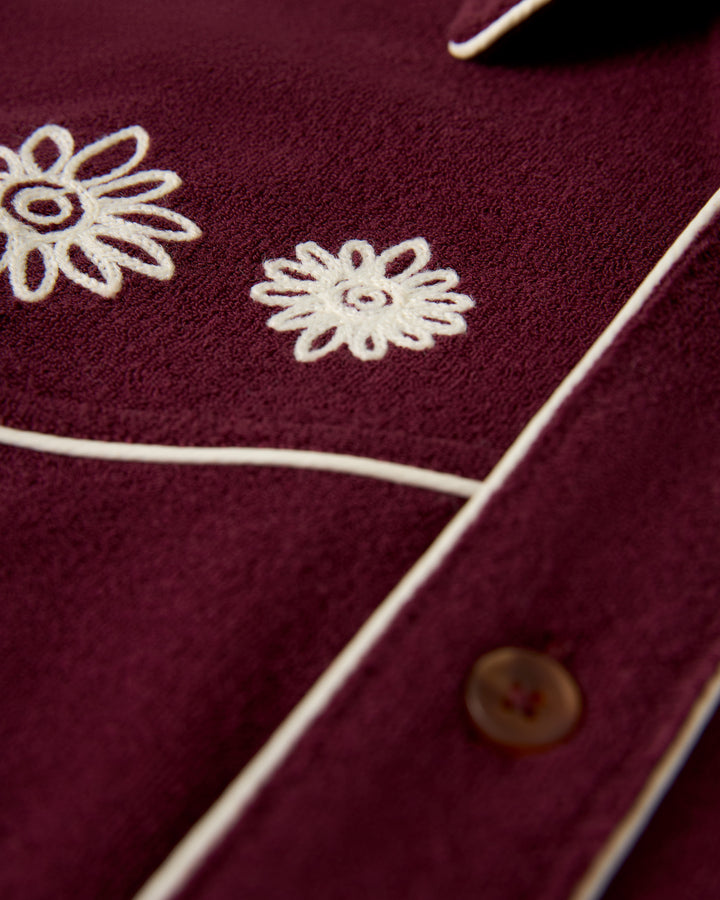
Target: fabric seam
pixel 241 426
pixel 115 451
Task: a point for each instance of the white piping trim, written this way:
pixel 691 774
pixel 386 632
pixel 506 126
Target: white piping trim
pixel 193 849
pixel 615 851
pixel 398 473
pixel 506 22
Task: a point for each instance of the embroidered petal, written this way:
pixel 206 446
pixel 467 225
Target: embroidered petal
pixel 185 230
pixel 136 188
pixel 368 344
pixel 111 280
pixel 11 162
pixel 432 283
pixel 445 322
pixel 358 259
pixel 274 293
pixel 287 271
pixel 449 302
pixel 411 335
pixel 418 256
pixel 317 342
pixel 18 255
pixel 134 133
pixel 299 315
pixel 64 146
pixel 160 266
pixel 314 260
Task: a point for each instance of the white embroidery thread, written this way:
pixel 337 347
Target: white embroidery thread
pixel 361 299
pixel 47 211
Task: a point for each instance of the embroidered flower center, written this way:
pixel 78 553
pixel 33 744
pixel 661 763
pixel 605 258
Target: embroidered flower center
pixel 42 206
pixel 365 299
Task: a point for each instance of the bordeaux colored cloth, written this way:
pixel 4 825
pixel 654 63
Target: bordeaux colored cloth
pixel 136 689
pixel 160 621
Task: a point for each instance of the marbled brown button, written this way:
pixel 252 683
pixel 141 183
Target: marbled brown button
pixel 522 699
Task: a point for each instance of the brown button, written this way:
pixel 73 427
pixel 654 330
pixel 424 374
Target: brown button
pixel 522 699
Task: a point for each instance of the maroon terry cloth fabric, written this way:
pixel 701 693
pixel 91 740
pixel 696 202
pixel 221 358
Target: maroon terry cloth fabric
pixel 157 623
pixel 603 549
pixel 161 621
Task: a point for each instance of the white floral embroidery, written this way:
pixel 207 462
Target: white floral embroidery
pixel 50 213
pixel 361 299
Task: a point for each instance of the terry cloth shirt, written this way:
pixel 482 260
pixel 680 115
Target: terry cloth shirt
pixel 331 361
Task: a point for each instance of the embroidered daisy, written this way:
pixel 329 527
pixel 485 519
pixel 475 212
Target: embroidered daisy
pixel 361 299
pixel 63 215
